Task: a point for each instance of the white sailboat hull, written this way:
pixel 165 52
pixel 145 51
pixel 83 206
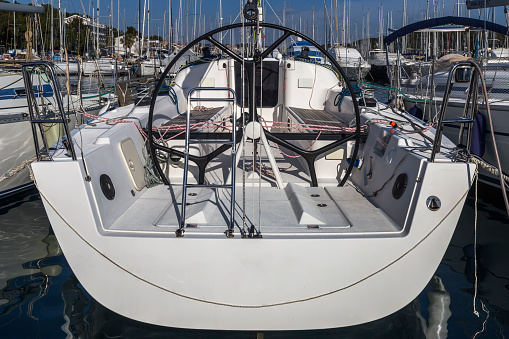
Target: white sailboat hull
pixel 256 284
pixel 328 256
pixel 278 282
pixel 61 67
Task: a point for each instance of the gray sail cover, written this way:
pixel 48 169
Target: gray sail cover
pixel 4 6
pixel 446 20
pixel 476 4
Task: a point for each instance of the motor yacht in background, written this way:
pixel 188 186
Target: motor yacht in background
pixel 187 58
pixel 351 61
pixel 251 192
pixel 380 60
pixel 313 53
pixel 104 66
pixel 63 67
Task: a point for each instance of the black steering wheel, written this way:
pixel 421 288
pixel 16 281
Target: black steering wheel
pixel 309 156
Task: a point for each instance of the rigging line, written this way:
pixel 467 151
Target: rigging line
pixel 313 88
pixel 295 301
pixel 475 242
pixel 12 83
pixel 280 22
pixel 260 157
pixel 243 70
pixel 495 148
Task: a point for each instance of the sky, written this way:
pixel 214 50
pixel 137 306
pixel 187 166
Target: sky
pixel 298 13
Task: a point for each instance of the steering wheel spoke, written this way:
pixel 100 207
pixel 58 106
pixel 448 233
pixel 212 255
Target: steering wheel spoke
pixel 310 156
pixel 224 49
pixel 278 42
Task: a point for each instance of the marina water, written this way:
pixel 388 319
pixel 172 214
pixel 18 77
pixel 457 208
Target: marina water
pixel 41 298
pixel 467 297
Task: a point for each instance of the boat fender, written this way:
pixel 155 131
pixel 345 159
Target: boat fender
pixel 477 146
pixel 416 112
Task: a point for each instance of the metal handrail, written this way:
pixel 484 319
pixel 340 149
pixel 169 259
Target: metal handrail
pixel 233 142
pixel 33 108
pixel 469 108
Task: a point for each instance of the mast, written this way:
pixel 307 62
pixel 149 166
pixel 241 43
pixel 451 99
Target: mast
pixel 194 21
pixel 348 32
pixel 284 22
pixel 51 43
pixel 139 21
pixel 110 19
pixel 14 13
pixel 199 22
pixel 368 36
pixel 313 21
pixel 118 27
pixel 404 23
pixel 220 19
pixel 343 33
pixel 60 28
pixel 325 23
pixel 170 24
pixel 143 28
pixel 98 50
pixel 181 32
pixel 187 22
pixel 362 33
pixel 148 28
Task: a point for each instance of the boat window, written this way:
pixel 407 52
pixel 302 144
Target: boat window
pixel 463 74
pixel 20 92
pixel 270 74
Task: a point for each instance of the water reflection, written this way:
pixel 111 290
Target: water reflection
pixel 438 310
pixel 41 297
pixel 92 320
pixel 492 272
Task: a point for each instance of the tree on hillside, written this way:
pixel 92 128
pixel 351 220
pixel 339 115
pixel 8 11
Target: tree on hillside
pixel 130 37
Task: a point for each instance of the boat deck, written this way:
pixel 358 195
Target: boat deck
pixel 294 210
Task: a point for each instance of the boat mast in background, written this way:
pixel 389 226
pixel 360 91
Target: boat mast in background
pixel 98 53
pixel 170 27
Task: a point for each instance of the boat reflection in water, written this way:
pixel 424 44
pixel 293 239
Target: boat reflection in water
pixel 41 297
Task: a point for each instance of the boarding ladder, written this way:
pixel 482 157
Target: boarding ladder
pixel 232 142
pixel 40 118
pixel 470 104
